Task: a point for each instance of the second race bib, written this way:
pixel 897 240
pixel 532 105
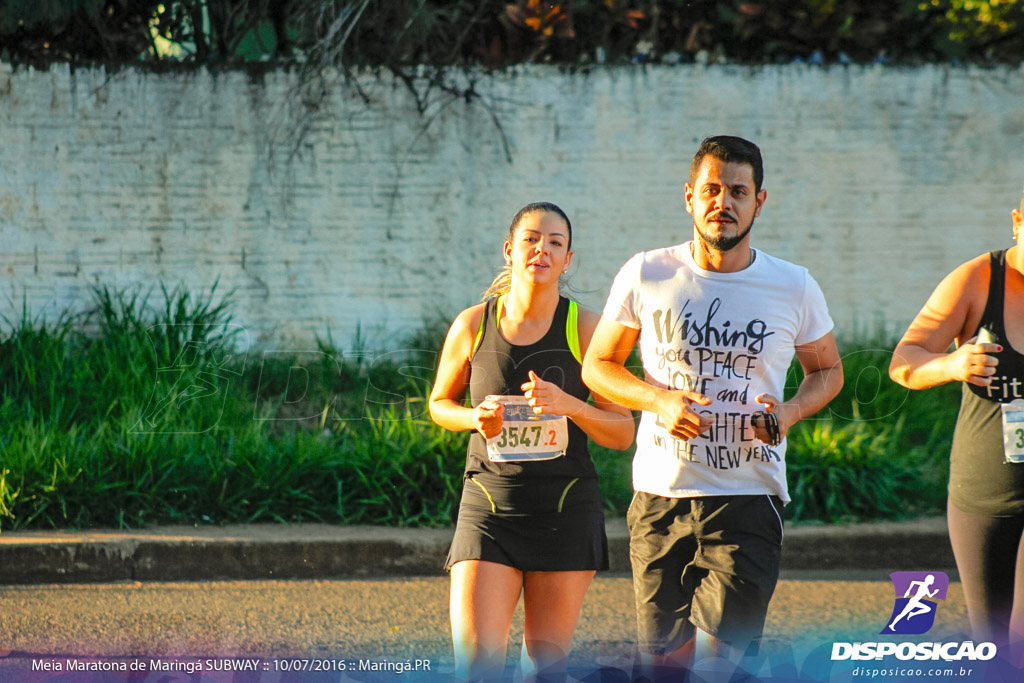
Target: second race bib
pixel 525 436
pixel 1013 431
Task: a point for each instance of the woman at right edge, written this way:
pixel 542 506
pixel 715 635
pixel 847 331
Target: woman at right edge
pixel 980 306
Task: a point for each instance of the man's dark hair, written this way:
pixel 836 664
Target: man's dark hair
pixel 731 150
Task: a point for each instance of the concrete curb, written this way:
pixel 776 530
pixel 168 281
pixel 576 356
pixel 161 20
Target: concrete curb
pixel 919 544
pixel 267 551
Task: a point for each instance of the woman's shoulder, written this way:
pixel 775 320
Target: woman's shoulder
pixel 462 334
pixel 586 323
pixel 979 262
pixel 470 318
pixel 962 294
pixel 586 316
pixel 971 274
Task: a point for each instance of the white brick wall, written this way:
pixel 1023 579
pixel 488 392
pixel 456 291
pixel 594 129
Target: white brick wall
pixel 879 179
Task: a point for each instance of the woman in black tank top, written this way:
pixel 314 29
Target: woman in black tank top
pixel 980 306
pixel 530 522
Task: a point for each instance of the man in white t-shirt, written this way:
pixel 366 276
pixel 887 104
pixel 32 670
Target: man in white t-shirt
pixel 718 324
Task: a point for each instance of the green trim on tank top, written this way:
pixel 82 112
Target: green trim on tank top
pixel 572 329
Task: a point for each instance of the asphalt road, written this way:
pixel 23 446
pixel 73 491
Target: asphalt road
pixel 385 619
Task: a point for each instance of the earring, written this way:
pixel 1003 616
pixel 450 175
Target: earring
pixel 1016 232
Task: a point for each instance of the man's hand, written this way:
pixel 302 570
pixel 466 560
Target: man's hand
pixel 679 417
pixel 783 412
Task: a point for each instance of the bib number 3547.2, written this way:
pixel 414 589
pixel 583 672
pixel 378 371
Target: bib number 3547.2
pixel 526 437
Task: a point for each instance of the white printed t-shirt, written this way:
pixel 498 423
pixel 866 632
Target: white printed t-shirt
pixel 728 336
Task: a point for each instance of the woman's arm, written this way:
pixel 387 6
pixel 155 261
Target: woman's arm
pixel 607 423
pixel 921 359
pixel 446 397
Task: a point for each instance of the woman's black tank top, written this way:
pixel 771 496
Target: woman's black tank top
pixel 980 482
pixel 499 367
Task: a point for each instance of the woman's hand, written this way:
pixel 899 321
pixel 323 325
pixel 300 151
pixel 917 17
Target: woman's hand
pixel 548 398
pixel 971 363
pixel 488 417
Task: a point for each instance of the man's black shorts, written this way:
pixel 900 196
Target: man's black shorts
pixel 710 562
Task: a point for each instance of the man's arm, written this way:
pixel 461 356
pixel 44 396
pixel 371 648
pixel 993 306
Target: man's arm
pixel 823 378
pixel 604 371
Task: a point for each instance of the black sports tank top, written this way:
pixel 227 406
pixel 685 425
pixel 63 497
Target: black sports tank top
pixel 1008 382
pixel 500 367
pixel 980 482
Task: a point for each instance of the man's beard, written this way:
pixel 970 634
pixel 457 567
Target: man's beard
pixel 722 243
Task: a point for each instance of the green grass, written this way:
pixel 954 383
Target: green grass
pixel 860 471
pixel 878 451
pixel 146 410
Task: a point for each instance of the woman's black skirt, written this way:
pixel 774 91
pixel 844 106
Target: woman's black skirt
pixel 544 524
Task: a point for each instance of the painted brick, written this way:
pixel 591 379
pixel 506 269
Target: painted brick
pixel 880 180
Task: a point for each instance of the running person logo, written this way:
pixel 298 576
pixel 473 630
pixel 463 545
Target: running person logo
pixel 917 598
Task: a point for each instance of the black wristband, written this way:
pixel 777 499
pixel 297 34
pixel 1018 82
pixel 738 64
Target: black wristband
pixel 770 424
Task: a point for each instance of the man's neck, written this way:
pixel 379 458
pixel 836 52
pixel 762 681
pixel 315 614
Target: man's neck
pixel 732 261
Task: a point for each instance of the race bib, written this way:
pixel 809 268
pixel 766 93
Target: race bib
pixel 527 437
pixel 1013 431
